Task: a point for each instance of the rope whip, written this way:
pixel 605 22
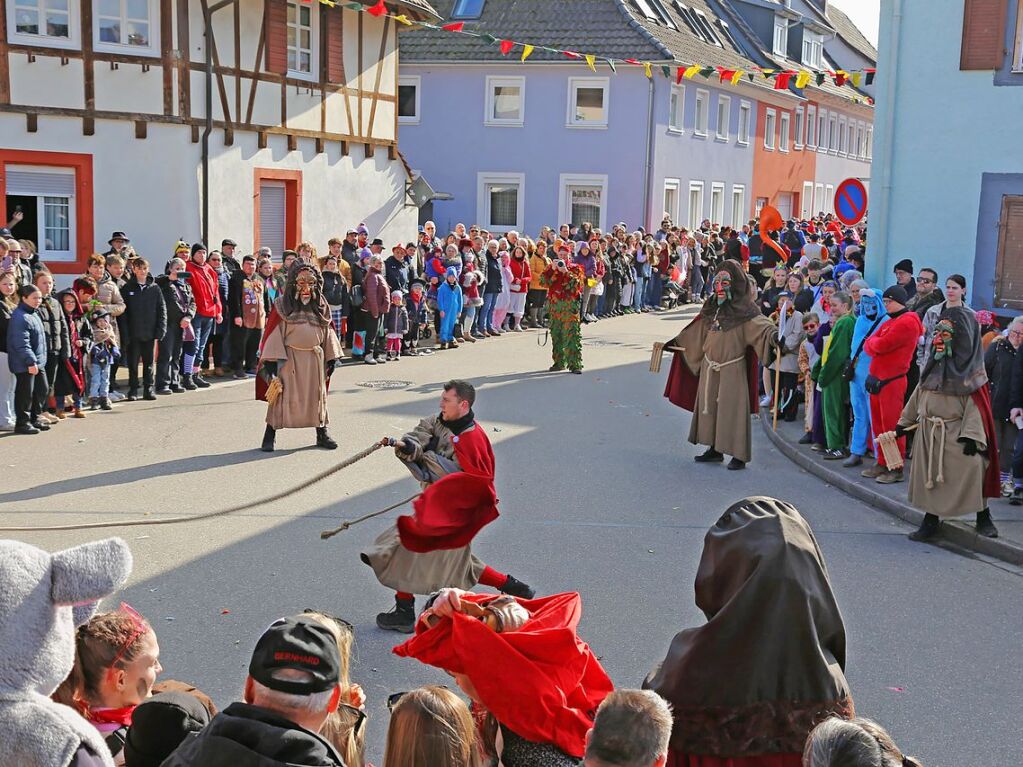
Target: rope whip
pixel 224 512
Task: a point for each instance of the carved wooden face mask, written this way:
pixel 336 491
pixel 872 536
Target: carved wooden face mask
pixel 723 287
pixel 942 339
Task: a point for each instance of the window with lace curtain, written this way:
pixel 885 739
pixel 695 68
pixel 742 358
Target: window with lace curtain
pixel 500 201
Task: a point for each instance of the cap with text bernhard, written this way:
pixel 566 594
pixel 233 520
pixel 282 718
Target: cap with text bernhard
pixel 298 643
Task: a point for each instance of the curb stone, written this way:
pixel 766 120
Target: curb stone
pixel 954 532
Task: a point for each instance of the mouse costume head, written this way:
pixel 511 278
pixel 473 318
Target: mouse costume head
pixel 733 302
pixel 303 294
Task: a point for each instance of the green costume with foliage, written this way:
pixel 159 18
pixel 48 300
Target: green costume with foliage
pixel 563 291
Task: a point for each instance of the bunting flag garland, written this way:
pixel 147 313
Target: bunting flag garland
pixel 783 79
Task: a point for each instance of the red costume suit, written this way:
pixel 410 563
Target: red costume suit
pixel 892 350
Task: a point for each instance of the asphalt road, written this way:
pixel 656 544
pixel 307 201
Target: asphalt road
pixel 599 494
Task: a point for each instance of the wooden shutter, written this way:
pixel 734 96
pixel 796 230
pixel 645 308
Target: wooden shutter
pixel 983 34
pixel 1009 266
pixel 275 18
pixel 333 34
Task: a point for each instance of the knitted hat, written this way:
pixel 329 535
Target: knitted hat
pixel 196 247
pixel 905 265
pixel 396 294
pixel 896 293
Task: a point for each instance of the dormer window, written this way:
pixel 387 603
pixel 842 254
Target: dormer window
pixel 813 49
pixel 654 10
pixel 467 9
pixel 781 36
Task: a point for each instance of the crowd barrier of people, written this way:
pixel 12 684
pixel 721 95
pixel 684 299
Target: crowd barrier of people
pixel 760 684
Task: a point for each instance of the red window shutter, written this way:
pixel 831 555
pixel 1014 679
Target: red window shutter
pixel 983 34
pixel 333 34
pixel 275 18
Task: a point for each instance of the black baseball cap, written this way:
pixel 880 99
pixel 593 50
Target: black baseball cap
pixel 297 643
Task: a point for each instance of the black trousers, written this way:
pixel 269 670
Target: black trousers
pixel 244 348
pixel 139 351
pixel 168 361
pixel 30 393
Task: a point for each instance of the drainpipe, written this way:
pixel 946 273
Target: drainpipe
pixel 208 45
pixel 648 165
pixel 884 168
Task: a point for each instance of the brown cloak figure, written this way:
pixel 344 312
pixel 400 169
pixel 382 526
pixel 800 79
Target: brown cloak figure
pixel 296 357
pixel 768 665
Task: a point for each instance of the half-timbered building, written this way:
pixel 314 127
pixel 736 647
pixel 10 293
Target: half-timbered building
pixel 115 115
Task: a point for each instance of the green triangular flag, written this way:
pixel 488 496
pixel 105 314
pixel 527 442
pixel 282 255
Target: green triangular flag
pixel 751 75
pixel 354 6
pixel 707 71
pixel 666 71
pixel 489 39
pixel 611 63
pixel 820 78
pixel 870 78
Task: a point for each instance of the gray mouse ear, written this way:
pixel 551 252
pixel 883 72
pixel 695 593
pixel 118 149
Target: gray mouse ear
pixel 87 573
pixel 80 614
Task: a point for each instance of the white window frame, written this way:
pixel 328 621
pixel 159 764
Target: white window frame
pixel 829 198
pixel 314 39
pixel 843 144
pixel 673 185
pixel 1017 52
pixel 745 123
pixel 870 142
pixel 677 116
pixel 833 133
pixel 780 44
pixel 818 199
pixel 72 41
pixel 725 101
pixel 57 256
pixel 494 82
pixel 574 84
pixel 813 49
pixel 850 134
pixel 806 200
pixel 566 180
pixel 702 100
pixel 717 190
pixel 695 217
pixel 770 130
pixel 862 151
pixel 153 49
pixel 738 205
pixel 798 128
pixel 811 127
pixel 784 131
pixel 822 130
pixel 486 179
pixel 416 82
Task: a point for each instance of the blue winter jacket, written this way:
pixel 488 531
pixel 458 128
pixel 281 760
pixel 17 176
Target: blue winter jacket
pixel 26 340
pixel 449 299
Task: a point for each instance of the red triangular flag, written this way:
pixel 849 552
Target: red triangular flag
pixel 457 26
pixel 377 10
pixel 781 81
pixel 726 74
pixel 679 75
pixel 571 54
pixel 506 47
pixel 840 78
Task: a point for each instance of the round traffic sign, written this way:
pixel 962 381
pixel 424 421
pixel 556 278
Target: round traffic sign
pixel 851 201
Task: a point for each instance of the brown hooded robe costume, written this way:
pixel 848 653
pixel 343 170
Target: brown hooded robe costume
pixel 768 665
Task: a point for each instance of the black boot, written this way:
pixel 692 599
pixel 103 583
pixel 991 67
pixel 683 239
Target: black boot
pixel 517 588
pixel 736 465
pixel 401 619
pixel 201 382
pixel 323 439
pixel 928 529
pixel 104 403
pixel 268 439
pixel 187 383
pixel 148 394
pixel 985 526
pixel 711 456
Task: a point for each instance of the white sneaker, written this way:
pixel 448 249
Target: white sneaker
pixel 766 400
pixel 1007 487
pixel 115 396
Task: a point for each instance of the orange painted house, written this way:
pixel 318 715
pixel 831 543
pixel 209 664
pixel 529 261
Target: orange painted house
pixel 782 168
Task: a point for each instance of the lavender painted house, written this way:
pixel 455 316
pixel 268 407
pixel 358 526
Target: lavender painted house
pixel 519 145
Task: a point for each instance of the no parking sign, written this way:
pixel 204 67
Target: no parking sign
pixel 851 201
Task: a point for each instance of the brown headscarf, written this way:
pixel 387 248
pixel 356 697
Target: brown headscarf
pixel 962 372
pixel 767 666
pixel 740 309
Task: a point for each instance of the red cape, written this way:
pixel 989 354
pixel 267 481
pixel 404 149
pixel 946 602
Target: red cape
pixel 453 509
pixel 682 385
pixel 992 479
pixel 542 681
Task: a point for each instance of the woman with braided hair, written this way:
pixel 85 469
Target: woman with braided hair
pixel 296 357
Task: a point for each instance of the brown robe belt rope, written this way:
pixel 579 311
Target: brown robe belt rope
pixel 222 513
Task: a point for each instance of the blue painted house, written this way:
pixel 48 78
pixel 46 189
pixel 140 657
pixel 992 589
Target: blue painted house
pixel 948 189
pixel 548 141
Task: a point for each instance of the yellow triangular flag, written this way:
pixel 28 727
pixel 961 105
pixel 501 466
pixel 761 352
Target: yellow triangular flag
pixel 647 70
pixel 591 61
pixel 692 71
pixel 856 77
pixel 802 80
pixel 403 19
pixel 327 2
pixel 526 51
pixel 738 76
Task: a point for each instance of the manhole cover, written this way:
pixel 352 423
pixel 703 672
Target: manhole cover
pixel 599 342
pixel 384 384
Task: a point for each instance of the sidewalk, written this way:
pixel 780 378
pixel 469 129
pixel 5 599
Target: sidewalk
pixel 891 499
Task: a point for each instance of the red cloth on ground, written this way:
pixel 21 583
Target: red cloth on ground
pixel 453 509
pixel 682 386
pixel 992 479
pixel 542 681
pixel 676 759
